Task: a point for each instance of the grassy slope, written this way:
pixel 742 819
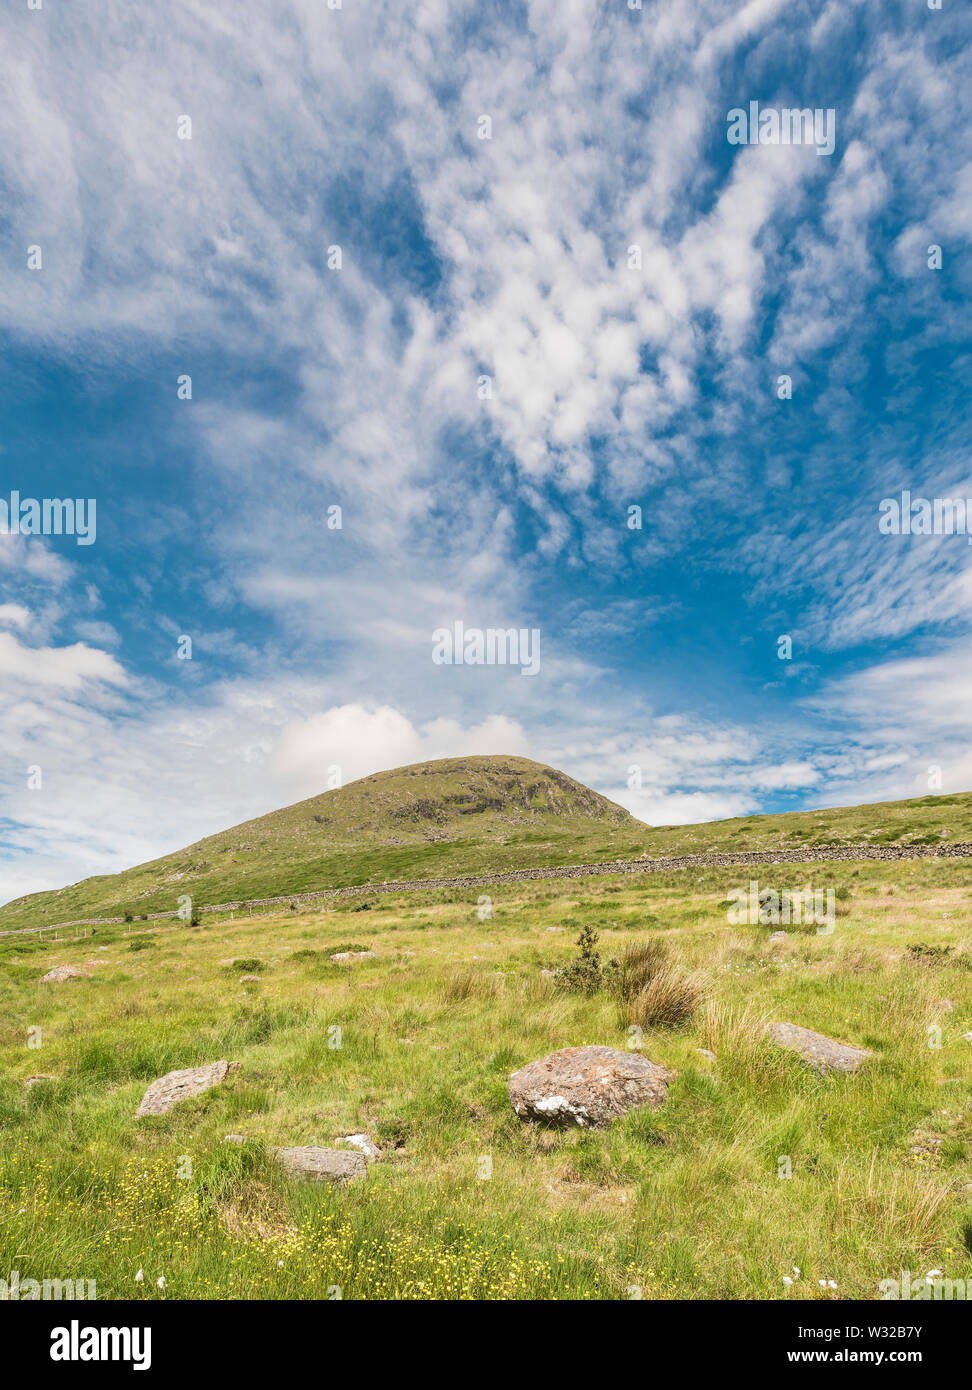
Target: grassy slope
pixel 458 816
pixel 685 1201
pixel 424 820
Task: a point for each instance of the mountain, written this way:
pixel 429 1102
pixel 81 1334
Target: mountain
pixel 424 820
pixel 459 816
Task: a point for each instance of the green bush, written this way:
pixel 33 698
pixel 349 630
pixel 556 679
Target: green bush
pixel 585 974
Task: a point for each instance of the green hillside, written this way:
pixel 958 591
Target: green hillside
pixel 428 819
pixel 459 816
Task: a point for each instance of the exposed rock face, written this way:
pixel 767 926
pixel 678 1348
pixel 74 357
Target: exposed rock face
pixel 62 972
pixel 322 1165
pixel 816 1049
pixel 175 1086
pixel 588 1086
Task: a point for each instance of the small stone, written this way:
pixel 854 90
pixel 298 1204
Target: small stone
pixel 62 972
pixel 342 956
pixel 363 1142
pixel 322 1165
pixel 816 1049
pixel 33 1080
pixel 234 1138
pixel 777 936
pixel 250 980
pixel 704 1052
pixel 176 1086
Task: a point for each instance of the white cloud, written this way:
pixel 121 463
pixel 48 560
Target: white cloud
pixel 359 740
pixel 67 668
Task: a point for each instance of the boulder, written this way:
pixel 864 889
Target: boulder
pixel 62 972
pixel 817 1050
pixel 322 1165
pixel 587 1086
pixel 176 1086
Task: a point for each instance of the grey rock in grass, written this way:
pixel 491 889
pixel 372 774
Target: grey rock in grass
pixel 250 980
pixel 587 1086
pixel 322 1165
pixel 61 973
pixel 364 1143
pixel 817 1050
pixel 36 1080
pixel 353 955
pixel 706 1053
pixel 176 1086
pixel 776 937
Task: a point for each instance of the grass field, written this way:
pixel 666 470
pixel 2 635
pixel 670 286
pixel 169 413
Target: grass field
pixel 468 1201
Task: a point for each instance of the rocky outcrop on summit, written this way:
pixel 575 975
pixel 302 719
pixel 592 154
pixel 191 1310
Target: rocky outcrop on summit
pixel 587 1086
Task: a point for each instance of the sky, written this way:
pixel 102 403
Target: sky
pixel 485 279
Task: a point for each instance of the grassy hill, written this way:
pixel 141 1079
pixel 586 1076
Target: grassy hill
pixel 459 816
pixel 424 820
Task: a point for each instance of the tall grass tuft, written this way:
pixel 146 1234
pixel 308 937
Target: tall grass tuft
pixel 639 963
pixel 669 1000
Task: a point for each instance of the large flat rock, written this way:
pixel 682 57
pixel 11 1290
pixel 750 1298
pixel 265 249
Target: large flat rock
pixel 587 1086
pixel 817 1050
pixel 322 1165
pixel 175 1086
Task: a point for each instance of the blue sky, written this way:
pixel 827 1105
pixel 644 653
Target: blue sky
pixel 611 387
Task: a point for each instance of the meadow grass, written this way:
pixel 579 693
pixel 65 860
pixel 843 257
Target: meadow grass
pixel 415 1045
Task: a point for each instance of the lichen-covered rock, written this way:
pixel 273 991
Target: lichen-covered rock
pixel 322 1165
pixel 175 1086
pixel 587 1086
pixel 817 1050
pixel 62 972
